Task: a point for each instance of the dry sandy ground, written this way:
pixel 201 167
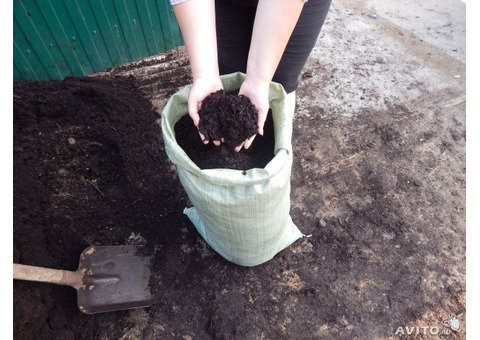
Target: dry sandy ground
pixel 397 80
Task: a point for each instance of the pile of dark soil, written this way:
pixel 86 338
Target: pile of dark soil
pixel 209 156
pixel 89 169
pixel 228 117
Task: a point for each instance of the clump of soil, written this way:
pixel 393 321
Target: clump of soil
pixel 209 156
pixel 228 117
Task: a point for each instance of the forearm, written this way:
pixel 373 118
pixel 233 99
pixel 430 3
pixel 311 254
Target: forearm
pixel 196 19
pixel 274 24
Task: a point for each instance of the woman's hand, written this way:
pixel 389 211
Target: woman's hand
pixel 196 19
pixel 257 91
pixel 201 88
pixel 273 26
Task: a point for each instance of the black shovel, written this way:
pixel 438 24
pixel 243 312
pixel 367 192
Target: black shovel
pixel 108 278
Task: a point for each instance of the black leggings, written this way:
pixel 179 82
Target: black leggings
pixel 234 20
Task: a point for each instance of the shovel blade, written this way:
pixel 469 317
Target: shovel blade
pixel 115 278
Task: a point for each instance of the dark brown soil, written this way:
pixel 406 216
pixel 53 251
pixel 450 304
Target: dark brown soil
pixel 209 156
pixel 90 169
pixel 227 117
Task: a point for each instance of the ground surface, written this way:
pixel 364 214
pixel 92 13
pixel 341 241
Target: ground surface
pixel 378 181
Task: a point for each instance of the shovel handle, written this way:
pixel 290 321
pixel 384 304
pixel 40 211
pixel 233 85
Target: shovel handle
pixel 40 274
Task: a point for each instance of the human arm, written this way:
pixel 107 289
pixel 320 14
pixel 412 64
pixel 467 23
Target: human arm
pixel 273 26
pixel 196 19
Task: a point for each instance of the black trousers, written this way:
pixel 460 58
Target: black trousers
pixel 234 21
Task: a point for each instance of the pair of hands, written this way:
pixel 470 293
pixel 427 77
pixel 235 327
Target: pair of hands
pixel 255 90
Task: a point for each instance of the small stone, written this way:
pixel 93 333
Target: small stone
pixel 72 141
pixel 307 74
pixel 322 223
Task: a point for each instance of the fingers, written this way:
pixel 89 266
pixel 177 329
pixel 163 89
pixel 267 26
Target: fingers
pixel 262 117
pixel 245 144
pixel 196 121
pixel 239 147
pixel 202 137
pixel 193 111
pixel 206 141
pixel 193 106
pixel 248 142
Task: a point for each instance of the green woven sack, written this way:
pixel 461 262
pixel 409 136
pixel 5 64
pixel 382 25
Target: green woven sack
pixel 243 217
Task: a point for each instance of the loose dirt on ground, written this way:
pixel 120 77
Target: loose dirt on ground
pixel 378 181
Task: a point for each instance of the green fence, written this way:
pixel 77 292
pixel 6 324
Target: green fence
pixel 53 39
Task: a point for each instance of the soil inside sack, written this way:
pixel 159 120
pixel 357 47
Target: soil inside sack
pixel 234 118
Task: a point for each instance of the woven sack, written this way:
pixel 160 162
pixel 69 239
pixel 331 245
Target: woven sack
pixel 244 217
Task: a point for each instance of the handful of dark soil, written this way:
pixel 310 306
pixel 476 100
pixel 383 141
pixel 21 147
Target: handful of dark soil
pixel 209 156
pixel 228 117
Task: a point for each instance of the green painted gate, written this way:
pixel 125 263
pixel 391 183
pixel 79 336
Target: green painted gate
pixel 53 39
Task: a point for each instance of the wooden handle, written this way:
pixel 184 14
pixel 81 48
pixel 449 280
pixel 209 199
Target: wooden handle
pixel 40 274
